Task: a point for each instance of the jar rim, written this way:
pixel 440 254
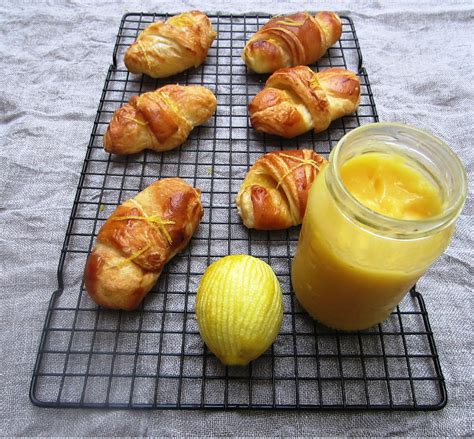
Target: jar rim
pixel 379 222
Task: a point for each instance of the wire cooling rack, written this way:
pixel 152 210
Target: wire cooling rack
pixel 154 357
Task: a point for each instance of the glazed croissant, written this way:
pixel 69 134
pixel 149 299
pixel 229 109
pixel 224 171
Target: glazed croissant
pixel 296 100
pixel 275 190
pixel 292 40
pixel 159 120
pixel 166 48
pixel 138 239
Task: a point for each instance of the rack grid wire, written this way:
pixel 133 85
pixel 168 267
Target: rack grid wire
pixel 154 357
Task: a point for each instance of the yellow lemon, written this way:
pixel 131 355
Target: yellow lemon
pixel 239 308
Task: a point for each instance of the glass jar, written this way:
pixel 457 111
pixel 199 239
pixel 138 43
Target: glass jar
pixel 353 265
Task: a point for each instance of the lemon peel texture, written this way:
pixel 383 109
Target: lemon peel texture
pixel 239 308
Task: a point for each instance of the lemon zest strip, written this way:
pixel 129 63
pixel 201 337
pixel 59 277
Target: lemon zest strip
pixel 131 258
pixel 138 121
pixel 169 102
pixel 154 219
pixel 314 82
pixel 180 21
pixel 303 162
pixel 272 41
pixel 139 100
pixel 290 22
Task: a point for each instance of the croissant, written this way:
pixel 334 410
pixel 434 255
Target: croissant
pixel 166 48
pixel 292 40
pixel 275 190
pixel 159 120
pixel 138 239
pixel 296 100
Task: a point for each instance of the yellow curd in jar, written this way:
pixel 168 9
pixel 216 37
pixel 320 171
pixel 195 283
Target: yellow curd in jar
pixel 388 185
pixel 347 275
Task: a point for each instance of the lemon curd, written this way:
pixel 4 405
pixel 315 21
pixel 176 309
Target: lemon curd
pixel 388 185
pixel 377 217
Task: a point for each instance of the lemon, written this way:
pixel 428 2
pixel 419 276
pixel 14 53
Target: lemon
pixel 239 308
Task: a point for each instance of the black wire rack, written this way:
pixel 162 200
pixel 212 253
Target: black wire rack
pixel 154 357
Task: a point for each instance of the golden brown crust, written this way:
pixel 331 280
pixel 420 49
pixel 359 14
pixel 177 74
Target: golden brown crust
pixel 275 190
pixel 292 40
pixel 166 48
pixel 138 239
pixel 296 100
pixel 160 120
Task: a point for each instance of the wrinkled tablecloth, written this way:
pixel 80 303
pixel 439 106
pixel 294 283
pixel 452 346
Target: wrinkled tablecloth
pixel 54 57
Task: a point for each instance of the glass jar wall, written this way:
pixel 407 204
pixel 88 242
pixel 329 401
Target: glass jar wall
pixel 353 265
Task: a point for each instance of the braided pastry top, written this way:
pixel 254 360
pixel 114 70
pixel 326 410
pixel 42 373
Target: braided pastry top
pixel 292 40
pixel 159 120
pixel 166 48
pixel 296 100
pixel 275 190
pixel 138 239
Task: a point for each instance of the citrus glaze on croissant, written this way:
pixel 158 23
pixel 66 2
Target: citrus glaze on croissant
pixel 292 40
pixel 275 190
pixel 296 100
pixel 138 239
pixel 160 120
pixel 166 48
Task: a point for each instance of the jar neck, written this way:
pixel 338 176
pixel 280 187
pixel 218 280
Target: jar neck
pixel 429 155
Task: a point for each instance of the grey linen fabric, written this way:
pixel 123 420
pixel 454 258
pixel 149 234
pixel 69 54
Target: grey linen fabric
pixel 54 58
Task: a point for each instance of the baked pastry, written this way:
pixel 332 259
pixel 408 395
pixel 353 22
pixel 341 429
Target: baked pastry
pixel 138 239
pixel 165 48
pixel 160 120
pixel 275 190
pixel 296 100
pixel 292 40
